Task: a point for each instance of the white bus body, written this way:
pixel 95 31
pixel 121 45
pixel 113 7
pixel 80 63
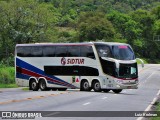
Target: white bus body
pixel 101 66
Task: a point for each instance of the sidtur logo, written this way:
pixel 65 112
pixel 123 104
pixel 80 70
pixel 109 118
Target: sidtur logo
pixel 71 61
pixel 63 61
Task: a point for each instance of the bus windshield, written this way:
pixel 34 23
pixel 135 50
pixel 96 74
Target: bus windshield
pixel 123 52
pixel 128 71
pixel 120 52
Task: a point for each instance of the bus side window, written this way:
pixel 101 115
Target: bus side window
pixel 20 51
pixel 108 67
pixel 49 51
pixel 61 51
pixel 73 51
pixel 87 51
pixel 103 51
pixel 36 51
pixel 24 51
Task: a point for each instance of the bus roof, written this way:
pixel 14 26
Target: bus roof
pixel 72 44
pixel 110 43
pixel 50 44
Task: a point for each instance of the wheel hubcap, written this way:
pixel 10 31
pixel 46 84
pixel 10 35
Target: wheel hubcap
pixel 96 86
pixel 86 85
pixel 42 85
pixel 33 85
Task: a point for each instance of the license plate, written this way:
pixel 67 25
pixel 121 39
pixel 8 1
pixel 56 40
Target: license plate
pixel 110 85
pixel 128 81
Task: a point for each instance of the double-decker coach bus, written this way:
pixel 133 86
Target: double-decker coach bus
pixel 101 66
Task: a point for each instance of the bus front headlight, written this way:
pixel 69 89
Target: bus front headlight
pixel 118 81
pixel 117 86
pixel 137 81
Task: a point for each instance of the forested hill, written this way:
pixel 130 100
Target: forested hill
pixel 136 22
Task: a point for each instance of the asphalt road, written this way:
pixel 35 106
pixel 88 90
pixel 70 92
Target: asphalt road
pixel 15 99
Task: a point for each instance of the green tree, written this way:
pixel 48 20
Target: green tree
pixel 156 28
pixel 94 26
pixel 24 21
pixel 156 12
pixel 156 38
pixel 125 25
pixel 145 21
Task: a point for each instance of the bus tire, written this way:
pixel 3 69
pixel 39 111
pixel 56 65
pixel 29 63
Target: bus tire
pixel 96 86
pixel 42 85
pixel 117 90
pixel 106 90
pixel 85 86
pixel 33 85
pixel 54 89
pixel 62 89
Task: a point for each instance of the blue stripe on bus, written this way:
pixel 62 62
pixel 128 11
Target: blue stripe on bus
pixel 22 76
pixel 32 68
pixel 26 77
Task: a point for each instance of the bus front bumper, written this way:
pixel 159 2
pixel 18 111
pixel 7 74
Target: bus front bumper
pixel 121 84
pixel 126 84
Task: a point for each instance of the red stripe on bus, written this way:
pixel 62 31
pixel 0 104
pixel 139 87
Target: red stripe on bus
pixel 30 73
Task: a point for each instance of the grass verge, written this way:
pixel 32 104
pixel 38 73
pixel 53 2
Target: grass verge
pixel 8 86
pixel 151 61
pixel 25 89
pixel 144 60
pixel 157 108
pixel 7 75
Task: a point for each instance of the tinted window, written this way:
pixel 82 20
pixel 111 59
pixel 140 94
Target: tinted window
pixel 73 51
pixel 123 52
pixel 103 51
pixel 36 51
pixel 128 70
pixel 87 51
pixel 108 67
pixel 61 51
pixel 24 51
pixel 20 51
pixel 71 70
pixel 48 51
pixel 55 51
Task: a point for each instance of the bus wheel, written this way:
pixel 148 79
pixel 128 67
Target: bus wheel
pixel 106 90
pixel 85 86
pixel 117 90
pixel 54 89
pixel 33 85
pixel 97 86
pixel 62 89
pixel 42 85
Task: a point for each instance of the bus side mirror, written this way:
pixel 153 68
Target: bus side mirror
pixel 142 63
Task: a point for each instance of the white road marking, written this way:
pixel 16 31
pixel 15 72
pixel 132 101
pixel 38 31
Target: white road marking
pixel 139 118
pixel 153 102
pixel 149 77
pixel 158 93
pixel 149 107
pixel 87 103
pixel 146 79
pixel 104 98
